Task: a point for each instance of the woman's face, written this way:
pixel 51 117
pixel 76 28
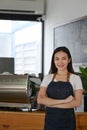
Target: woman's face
pixel 61 60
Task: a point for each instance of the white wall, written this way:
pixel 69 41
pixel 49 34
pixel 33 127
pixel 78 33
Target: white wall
pixel 59 12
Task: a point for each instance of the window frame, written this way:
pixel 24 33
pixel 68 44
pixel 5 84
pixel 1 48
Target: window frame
pixel 28 17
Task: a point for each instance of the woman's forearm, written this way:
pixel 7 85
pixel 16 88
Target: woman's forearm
pixel 71 104
pixel 76 102
pixel 53 102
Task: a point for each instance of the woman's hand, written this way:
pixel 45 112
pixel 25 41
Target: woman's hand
pixel 69 99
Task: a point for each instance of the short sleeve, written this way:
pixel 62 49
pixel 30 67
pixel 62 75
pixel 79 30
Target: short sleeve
pixel 46 80
pixel 76 82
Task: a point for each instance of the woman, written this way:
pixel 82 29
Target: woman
pixel 60 92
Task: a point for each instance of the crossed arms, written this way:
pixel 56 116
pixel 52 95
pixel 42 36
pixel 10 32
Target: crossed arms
pixel 69 102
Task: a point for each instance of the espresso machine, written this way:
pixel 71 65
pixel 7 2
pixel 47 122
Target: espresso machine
pixel 19 92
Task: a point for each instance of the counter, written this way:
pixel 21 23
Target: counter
pixel 33 120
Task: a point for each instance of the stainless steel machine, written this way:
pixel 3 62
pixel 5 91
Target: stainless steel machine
pixel 17 91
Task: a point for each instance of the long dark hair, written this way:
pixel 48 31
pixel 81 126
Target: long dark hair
pixel 53 68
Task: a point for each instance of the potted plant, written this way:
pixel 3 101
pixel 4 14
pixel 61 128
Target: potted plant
pixel 83 75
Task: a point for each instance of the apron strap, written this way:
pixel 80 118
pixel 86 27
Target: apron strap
pixel 68 76
pixel 53 76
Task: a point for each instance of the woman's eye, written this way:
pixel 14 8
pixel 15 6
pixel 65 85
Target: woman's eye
pixel 56 58
pixel 64 58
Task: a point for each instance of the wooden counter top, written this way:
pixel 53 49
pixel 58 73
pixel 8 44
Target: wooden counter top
pixel 81 120
pixel 33 120
pixel 21 120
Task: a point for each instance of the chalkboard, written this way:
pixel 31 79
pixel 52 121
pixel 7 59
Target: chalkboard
pixel 74 36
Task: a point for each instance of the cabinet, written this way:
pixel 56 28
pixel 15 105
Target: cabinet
pixel 33 120
pixel 81 121
pixel 21 121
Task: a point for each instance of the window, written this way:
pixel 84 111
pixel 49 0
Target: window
pixel 23 41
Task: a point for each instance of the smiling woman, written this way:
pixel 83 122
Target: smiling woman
pixel 60 92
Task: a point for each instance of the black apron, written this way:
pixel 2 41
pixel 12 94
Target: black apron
pixel 59 118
